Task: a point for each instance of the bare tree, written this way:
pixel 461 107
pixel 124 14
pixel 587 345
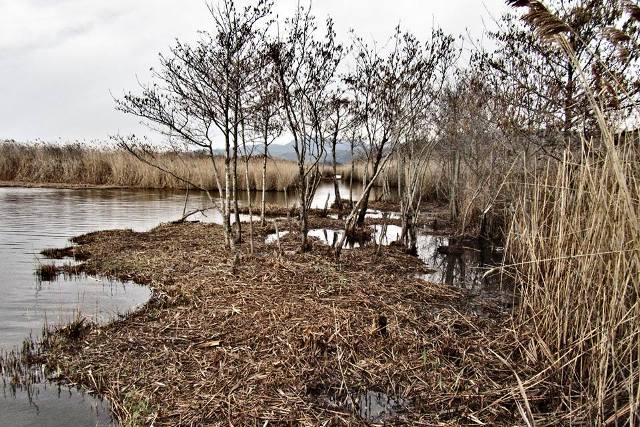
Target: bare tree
pixel 391 94
pixel 239 41
pixel 605 41
pixel 305 69
pixel 375 88
pixel 198 91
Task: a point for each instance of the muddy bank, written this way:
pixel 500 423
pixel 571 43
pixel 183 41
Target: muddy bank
pixel 289 339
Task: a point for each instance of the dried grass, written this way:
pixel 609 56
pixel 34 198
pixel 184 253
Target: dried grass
pixel 575 237
pixel 272 337
pixel 435 180
pixel 76 164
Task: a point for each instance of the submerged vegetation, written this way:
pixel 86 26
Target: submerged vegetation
pixel 535 144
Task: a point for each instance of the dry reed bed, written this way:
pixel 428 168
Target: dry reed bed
pixel 435 182
pixel 76 164
pixel 576 238
pixel 268 337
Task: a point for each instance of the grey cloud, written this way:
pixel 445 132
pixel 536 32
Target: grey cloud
pixel 46 41
pixel 62 35
pixel 107 45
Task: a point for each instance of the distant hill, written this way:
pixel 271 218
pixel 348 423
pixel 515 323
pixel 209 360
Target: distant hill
pixel 286 151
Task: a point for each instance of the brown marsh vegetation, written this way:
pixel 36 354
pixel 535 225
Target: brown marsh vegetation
pixel 282 338
pixel 99 166
pixel 535 141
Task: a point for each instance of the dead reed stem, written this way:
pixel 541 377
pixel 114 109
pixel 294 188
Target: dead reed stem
pixel 278 338
pixel 575 238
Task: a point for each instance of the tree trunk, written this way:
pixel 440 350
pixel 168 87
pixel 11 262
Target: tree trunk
pixel 336 187
pixel 350 223
pixel 246 177
pixel 367 192
pixel 304 227
pixel 226 221
pixel 400 173
pixel 264 181
pixel 226 230
pixel 236 208
pixel 351 176
pixel 454 190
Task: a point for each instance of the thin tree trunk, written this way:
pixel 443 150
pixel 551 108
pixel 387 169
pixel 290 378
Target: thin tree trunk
pixel 375 171
pixel 226 220
pixel 351 176
pixel 454 191
pixel 264 179
pixel 246 177
pixel 336 186
pixel 221 194
pixel 278 238
pixel 236 208
pixel 304 227
pixel 247 183
pixel 386 189
pixel 186 200
pixel 400 172
pixel 351 222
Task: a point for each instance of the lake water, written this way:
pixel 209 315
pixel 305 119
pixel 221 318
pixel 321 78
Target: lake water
pixel 32 219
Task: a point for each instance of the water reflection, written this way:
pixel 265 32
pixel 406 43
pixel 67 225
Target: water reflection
pixel 371 406
pixel 455 262
pixel 273 238
pixel 325 193
pixel 386 235
pixel 52 406
pixel 460 263
pixel 332 238
pixel 34 219
pixel 375 406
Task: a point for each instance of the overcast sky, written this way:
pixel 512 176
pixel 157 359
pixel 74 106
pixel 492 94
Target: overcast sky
pixel 60 60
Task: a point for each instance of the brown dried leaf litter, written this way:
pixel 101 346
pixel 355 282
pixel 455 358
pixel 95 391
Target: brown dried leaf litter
pixel 271 338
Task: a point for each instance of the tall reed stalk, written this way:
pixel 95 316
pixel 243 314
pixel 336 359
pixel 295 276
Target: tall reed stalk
pixel 576 237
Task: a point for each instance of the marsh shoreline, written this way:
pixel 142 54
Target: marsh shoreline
pixel 280 336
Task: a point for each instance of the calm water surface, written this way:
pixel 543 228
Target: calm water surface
pixel 34 219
